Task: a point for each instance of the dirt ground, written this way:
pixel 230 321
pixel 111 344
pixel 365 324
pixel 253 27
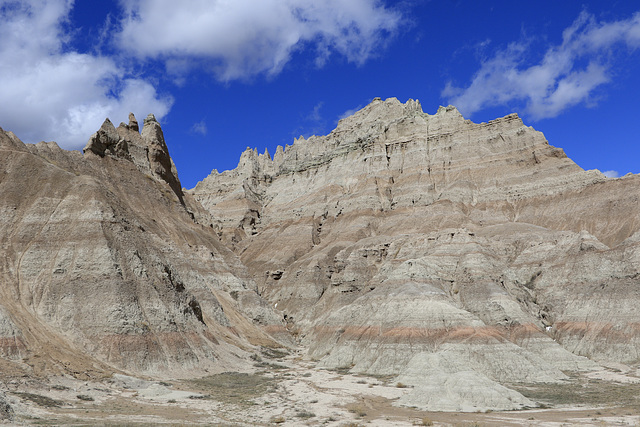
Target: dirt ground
pixel 286 390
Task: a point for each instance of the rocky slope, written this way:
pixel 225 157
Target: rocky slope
pixel 439 250
pixel 105 267
pixel 454 257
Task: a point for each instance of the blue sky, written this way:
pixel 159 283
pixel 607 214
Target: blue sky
pixel 224 75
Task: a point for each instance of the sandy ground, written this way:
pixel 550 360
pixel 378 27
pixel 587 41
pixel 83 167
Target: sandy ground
pixel 292 392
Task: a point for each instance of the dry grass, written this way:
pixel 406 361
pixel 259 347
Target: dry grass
pixel 305 414
pixel 274 353
pixel 359 410
pixel 40 400
pixel 232 387
pixel 582 391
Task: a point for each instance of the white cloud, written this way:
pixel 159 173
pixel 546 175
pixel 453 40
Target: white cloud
pixel 243 38
pixel 566 76
pixel 611 174
pixel 53 93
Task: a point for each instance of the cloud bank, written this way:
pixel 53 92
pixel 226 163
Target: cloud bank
pixel 242 38
pixel 567 75
pixel 50 91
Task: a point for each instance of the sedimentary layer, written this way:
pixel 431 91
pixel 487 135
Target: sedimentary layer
pixel 105 267
pixel 405 242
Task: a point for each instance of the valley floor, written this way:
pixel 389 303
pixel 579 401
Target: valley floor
pixel 287 390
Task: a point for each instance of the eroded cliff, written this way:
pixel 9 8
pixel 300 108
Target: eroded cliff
pixel 418 245
pixel 458 258
pixel 105 268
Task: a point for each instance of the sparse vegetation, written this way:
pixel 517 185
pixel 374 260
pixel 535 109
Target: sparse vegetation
pixel 272 366
pixel 343 370
pixel 233 387
pixel 274 353
pixel 40 400
pixel 305 414
pixel 581 391
pixel 59 387
pixel 85 397
pixel 358 410
pixel 198 397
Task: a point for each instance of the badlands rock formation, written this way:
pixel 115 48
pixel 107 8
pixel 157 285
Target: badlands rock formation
pixel 448 253
pixel 105 268
pixel 454 257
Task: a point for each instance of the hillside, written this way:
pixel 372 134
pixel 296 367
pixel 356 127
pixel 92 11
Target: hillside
pixel 410 244
pixel 462 261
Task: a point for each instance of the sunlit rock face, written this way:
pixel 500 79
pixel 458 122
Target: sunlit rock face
pixel 106 268
pixel 459 258
pixel 418 245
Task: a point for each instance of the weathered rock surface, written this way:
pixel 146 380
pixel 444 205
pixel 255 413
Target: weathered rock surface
pixel 148 151
pixel 459 258
pixel 6 411
pixel 404 242
pixel 459 391
pixel 104 267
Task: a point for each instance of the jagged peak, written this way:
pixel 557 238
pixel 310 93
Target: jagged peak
pixel 150 118
pixel 107 141
pixel 413 105
pixel 449 108
pixel 147 149
pixel 132 125
pixel 377 109
pixel 374 123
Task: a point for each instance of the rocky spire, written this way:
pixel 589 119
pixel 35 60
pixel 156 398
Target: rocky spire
pixel 107 141
pixel 147 150
pixel 160 161
pixel 133 123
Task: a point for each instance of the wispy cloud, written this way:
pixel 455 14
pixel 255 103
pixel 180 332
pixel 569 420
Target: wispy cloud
pixel 243 38
pixel 567 75
pixel 200 128
pixel 315 115
pixel 611 174
pixel 313 123
pixel 52 92
pixel 350 112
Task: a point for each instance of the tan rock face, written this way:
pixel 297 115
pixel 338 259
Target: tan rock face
pixel 104 267
pixel 458 257
pixel 405 242
pixel 148 151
